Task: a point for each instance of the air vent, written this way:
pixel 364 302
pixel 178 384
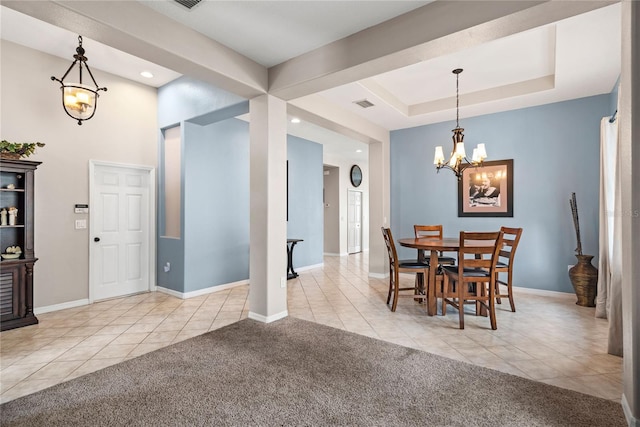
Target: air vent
pixel 364 103
pixel 188 3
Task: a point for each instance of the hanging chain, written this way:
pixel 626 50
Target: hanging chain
pixel 457 101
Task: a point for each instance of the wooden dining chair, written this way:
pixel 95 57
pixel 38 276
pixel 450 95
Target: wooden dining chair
pixel 473 279
pixel 432 232
pixel 505 263
pixel 396 267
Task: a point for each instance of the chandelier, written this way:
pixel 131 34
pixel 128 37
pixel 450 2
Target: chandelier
pixel 79 100
pixel 458 161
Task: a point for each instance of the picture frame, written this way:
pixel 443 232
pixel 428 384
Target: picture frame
pixel 487 190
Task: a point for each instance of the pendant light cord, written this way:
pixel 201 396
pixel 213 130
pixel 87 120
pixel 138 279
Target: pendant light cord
pixel 457 102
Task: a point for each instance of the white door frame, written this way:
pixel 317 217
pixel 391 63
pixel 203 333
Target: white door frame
pixel 355 190
pixel 151 172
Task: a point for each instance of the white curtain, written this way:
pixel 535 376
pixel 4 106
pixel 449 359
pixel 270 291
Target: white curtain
pixel 609 299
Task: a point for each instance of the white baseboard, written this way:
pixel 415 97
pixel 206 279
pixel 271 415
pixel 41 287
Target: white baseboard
pixel 543 292
pixel 268 319
pixel 309 267
pixel 631 420
pixel 379 275
pixel 209 290
pixel 334 254
pixel 56 307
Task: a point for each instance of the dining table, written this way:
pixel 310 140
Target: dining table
pixel 435 246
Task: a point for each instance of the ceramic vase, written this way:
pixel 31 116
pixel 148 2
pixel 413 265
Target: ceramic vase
pixel 584 278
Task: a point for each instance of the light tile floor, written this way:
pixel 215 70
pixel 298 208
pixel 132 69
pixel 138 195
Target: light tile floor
pixel 548 339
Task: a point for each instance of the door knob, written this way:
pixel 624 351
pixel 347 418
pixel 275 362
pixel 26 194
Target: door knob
pixel 96 239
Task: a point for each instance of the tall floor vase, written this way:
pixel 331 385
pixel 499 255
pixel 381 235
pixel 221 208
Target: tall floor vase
pixel 584 278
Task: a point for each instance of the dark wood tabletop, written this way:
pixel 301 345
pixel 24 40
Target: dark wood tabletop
pixel 445 244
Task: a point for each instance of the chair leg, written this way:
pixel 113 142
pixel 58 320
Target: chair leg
pixel 492 310
pixel 445 292
pixel 510 291
pixel 461 292
pixel 419 286
pixel 395 295
pixel 390 289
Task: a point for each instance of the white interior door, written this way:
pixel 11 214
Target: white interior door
pixel 121 225
pixel 354 223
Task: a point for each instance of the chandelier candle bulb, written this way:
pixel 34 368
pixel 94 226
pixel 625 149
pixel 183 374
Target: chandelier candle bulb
pixel 439 157
pixel 482 152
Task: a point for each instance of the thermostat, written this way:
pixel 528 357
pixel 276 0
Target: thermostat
pixel 81 209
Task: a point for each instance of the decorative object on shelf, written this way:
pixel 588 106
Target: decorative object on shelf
pixel 13 215
pixel 17 150
pixel 583 275
pixel 355 175
pixel 458 160
pixel 12 252
pixel 79 101
pixel 3 216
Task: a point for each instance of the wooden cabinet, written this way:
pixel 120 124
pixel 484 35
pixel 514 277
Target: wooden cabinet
pixel 16 275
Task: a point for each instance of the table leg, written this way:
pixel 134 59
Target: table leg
pixel 431 284
pixel 291 273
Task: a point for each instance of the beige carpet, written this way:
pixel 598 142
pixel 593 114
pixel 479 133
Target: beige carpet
pixel 297 373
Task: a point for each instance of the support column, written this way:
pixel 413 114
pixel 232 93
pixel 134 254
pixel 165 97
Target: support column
pixel 268 205
pixel 379 206
pixel 629 128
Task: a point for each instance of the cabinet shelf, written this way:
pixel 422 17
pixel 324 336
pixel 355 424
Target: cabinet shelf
pixel 12 190
pixel 12 226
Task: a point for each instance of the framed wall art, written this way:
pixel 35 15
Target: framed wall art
pixel 486 191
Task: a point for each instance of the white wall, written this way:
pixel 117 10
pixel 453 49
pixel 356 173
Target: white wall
pixel 344 166
pixel 331 211
pixel 123 130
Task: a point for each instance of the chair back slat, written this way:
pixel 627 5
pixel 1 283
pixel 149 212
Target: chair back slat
pixel 428 231
pixel 391 247
pixel 486 257
pixel 510 243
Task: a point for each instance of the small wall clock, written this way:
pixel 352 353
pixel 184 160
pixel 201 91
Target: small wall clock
pixel 356 175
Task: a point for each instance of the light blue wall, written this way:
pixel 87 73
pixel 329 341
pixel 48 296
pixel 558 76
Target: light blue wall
pixel 555 149
pixel 214 247
pixel 169 250
pixel 306 220
pixel 216 204
pixel 186 98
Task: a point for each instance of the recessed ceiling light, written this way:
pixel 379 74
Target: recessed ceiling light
pixel 295 120
pixel 358 151
pixel 146 74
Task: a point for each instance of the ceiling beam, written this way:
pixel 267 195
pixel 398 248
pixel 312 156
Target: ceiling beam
pixel 438 28
pixel 140 31
pixel 317 110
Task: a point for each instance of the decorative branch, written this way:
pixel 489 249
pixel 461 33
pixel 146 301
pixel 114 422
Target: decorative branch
pixel 576 223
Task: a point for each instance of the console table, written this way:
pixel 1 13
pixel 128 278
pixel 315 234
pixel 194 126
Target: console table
pixel 291 243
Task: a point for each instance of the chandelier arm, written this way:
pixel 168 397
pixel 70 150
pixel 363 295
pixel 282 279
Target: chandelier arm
pixel 80 70
pixel 68 70
pixel 94 80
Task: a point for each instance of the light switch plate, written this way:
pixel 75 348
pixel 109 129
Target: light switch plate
pixel 81 224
